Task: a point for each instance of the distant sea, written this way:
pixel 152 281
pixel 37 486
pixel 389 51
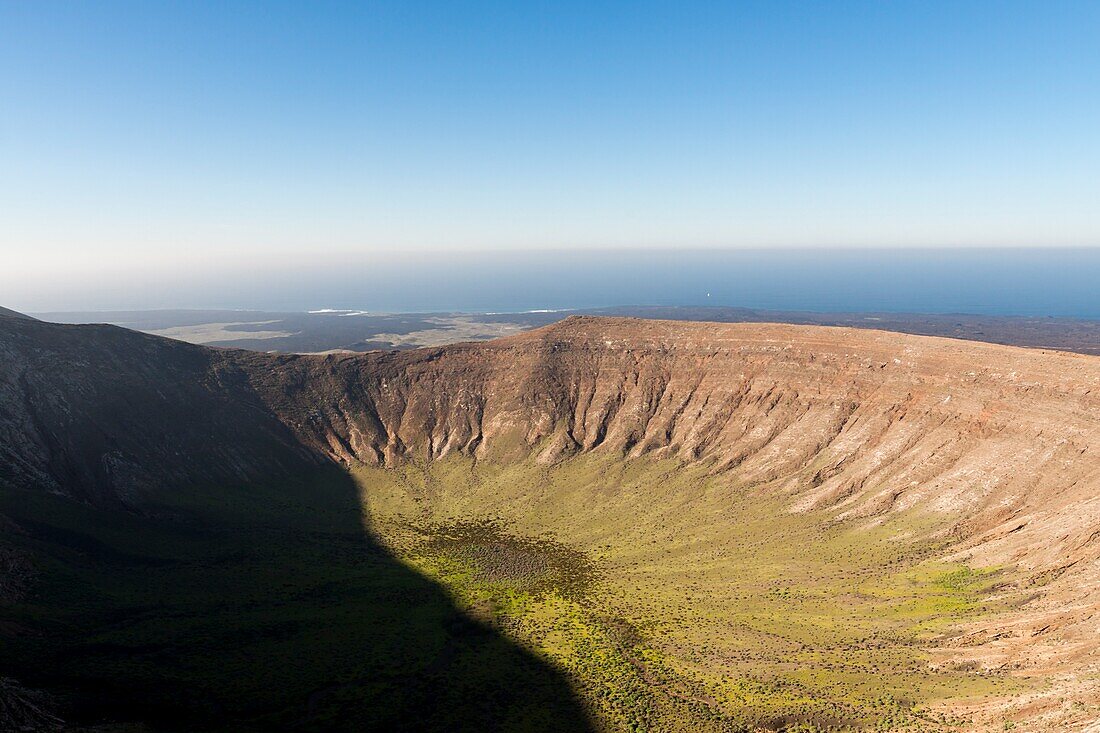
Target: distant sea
pixel 1021 282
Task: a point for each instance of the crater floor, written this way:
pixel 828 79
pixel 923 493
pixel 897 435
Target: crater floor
pixel 680 600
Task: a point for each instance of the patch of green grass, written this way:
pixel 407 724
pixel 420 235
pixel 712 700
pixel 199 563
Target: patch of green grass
pixel 710 605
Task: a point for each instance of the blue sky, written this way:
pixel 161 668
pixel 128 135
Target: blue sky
pixel 149 137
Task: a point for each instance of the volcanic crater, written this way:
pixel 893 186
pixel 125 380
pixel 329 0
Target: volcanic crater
pixel 652 525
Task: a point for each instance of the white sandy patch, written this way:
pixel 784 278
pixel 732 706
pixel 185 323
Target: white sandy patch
pixel 451 330
pixel 205 333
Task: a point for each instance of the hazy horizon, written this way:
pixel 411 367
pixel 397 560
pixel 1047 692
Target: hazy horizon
pixel 1025 282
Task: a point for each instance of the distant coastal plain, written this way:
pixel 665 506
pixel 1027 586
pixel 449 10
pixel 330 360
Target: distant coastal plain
pixel 333 330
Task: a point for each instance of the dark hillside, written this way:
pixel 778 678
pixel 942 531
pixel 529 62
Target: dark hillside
pixel 170 556
pixel 7 312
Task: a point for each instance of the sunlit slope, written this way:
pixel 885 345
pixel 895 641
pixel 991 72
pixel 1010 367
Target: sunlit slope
pixel 1000 443
pixel 976 464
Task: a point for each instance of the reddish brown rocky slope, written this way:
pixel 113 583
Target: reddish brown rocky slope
pixel 1002 443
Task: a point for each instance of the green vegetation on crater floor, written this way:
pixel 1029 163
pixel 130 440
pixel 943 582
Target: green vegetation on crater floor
pixel 669 598
pixel 676 601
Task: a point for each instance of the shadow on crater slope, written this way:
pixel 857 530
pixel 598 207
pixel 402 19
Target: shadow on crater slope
pixel 156 576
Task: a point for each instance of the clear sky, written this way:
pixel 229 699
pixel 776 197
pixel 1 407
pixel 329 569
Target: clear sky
pixel 143 138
